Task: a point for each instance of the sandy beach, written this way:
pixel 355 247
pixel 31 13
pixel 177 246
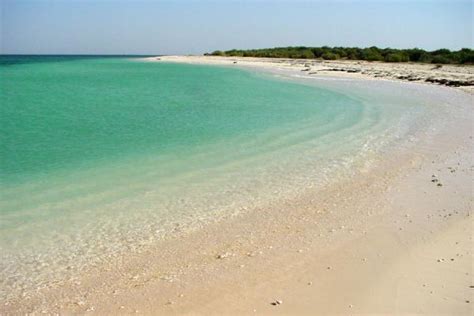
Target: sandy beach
pixel 395 239
pixel 459 76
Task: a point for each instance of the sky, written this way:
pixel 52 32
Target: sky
pixel 195 27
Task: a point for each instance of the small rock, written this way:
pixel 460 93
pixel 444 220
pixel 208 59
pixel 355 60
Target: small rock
pixel 223 256
pixel 277 302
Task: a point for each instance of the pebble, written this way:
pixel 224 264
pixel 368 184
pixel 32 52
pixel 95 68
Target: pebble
pixel 310 283
pixel 223 256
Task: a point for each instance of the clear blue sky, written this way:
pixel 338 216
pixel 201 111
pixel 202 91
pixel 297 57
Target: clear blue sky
pixel 194 27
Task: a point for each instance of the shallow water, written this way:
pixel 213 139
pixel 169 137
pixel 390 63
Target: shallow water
pixel 105 155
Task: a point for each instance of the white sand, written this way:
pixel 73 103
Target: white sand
pixel 387 241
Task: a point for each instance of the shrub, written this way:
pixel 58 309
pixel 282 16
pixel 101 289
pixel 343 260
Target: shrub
pixel 441 56
pixel 330 56
pixel 218 53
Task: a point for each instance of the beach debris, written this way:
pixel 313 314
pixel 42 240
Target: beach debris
pixel 277 302
pixel 224 255
pixel 440 260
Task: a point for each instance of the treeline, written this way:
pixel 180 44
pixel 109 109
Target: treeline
pixel 440 56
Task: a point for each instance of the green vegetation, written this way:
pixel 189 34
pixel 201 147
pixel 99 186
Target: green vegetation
pixel 440 56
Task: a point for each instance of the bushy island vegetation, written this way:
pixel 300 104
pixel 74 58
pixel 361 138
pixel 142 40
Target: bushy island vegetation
pixel 440 56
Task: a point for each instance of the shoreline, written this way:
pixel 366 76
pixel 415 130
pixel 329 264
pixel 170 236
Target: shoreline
pixel 457 76
pixel 370 243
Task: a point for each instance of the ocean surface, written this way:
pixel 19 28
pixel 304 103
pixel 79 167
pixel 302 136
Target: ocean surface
pixel 103 156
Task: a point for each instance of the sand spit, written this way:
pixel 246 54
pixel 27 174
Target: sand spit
pixel 460 76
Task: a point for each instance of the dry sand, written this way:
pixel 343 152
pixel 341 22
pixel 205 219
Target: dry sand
pixel 386 241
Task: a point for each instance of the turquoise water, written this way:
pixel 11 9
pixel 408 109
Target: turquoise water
pixel 105 155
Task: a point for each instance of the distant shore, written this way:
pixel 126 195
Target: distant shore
pixel 395 239
pixel 458 76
